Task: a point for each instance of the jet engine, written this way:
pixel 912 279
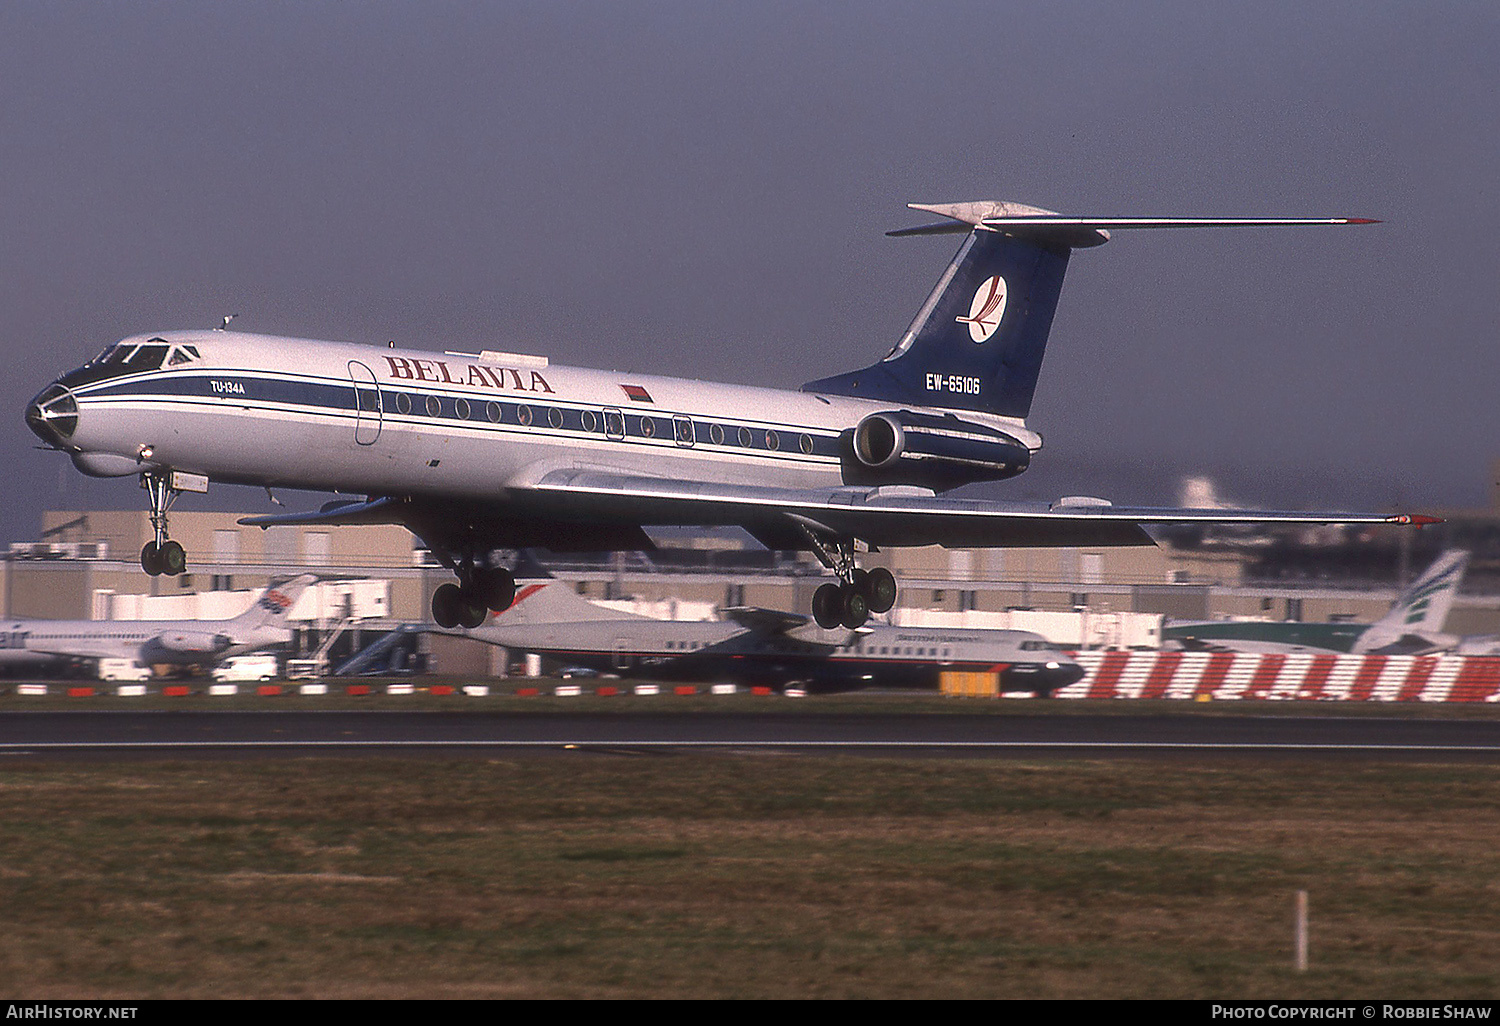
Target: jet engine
pixel 937 452
pixel 193 642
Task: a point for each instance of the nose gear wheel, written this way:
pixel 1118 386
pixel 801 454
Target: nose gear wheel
pixel 161 555
pixel 169 559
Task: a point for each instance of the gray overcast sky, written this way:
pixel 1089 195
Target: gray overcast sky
pixel 701 189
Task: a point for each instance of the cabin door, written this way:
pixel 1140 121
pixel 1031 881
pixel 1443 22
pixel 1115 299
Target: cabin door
pixel 623 648
pixel 367 411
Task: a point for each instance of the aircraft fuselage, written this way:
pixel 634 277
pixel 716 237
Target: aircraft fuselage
pixel 877 656
pixel 148 642
pixel 298 413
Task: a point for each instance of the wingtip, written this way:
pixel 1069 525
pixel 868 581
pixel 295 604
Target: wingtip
pixel 1362 220
pixel 1417 519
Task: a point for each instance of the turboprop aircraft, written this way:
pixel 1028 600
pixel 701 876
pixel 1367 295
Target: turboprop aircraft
pixel 764 646
pixel 156 642
pixel 485 451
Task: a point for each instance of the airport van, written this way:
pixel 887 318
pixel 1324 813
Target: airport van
pixel 246 668
pixel 123 669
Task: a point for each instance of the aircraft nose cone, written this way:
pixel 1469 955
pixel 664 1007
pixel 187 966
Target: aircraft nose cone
pixel 53 415
pixel 1062 676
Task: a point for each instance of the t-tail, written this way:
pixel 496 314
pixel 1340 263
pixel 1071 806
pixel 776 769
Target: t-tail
pixel 976 345
pixel 273 606
pixel 1415 623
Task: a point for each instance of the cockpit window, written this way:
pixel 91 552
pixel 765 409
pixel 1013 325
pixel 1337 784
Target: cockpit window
pixel 124 358
pixel 147 357
pixel 131 357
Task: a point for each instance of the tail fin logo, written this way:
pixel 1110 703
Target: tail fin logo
pixel 274 602
pixel 986 309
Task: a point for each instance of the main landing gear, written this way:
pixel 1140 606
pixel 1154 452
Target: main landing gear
pixel 860 593
pixel 850 603
pixel 480 590
pixel 161 555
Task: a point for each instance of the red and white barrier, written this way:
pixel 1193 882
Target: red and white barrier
pixel 1299 677
pixel 1221 676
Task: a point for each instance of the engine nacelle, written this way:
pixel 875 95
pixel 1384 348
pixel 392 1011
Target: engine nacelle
pixel 193 642
pixel 937 452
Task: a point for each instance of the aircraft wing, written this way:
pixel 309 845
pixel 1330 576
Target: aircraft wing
pixel 900 515
pixel 1248 646
pixel 764 621
pixel 1416 643
pixel 83 648
pixel 446 525
pixel 592 509
pixel 795 626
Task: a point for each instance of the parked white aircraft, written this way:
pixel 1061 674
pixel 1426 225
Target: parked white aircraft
pixel 763 646
pixel 155 642
pixel 1413 626
pixel 478 452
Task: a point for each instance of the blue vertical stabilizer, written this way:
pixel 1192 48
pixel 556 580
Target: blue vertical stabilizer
pixel 978 341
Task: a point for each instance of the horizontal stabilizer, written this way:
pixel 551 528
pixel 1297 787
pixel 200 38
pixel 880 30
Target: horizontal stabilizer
pixel 1077 232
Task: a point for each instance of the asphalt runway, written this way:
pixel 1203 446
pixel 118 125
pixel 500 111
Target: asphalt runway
pixel 112 735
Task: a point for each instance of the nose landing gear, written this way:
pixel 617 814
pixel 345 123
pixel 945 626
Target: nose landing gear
pixel 161 555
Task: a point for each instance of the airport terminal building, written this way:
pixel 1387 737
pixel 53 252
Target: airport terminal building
pixel 83 565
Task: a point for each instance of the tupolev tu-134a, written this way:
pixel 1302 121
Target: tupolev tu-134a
pixel 477 453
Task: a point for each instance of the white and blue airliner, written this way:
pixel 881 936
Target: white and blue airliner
pixel 486 451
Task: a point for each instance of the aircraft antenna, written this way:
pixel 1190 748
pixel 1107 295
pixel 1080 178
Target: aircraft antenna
pixel 227 319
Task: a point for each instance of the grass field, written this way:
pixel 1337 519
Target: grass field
pixel 597 875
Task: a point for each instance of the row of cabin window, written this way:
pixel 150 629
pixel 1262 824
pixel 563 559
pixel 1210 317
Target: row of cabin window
pixel 614 424
pixel 896 650
pixel 870 650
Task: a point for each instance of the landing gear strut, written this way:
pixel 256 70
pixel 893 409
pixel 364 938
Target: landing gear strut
pixel 862 592
pixel 161 555
pixel 479 591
